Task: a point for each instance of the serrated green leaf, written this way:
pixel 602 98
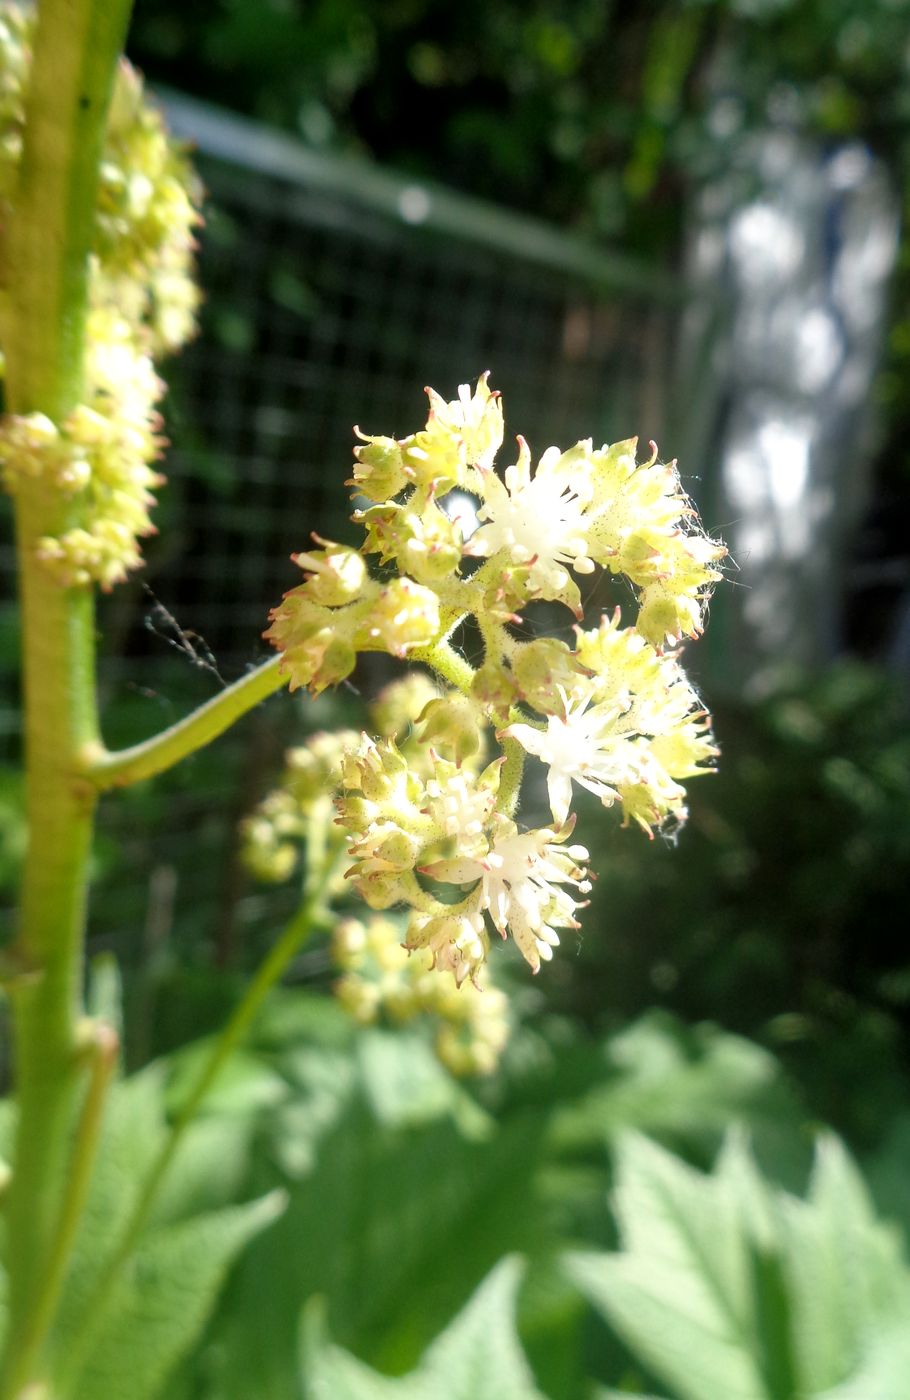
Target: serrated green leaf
pixel 386 1217
pixel 847 1277
pixel 884 1374
pixel 726 1287
pixel 667 1321
pixel 328 1372
pixel 164 1301
pixel 477 1357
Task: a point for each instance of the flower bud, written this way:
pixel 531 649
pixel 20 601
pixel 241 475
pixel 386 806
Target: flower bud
pixel 665 616
pixel 379 470
pixel 544 668
pixel 30 445
pixel 336 574
pixel 314 769
pixel 405 615
pixel 399 705
pixel 315 642
pixel 452 723
pixel 495 686
pixel 459 942
pixel 422 539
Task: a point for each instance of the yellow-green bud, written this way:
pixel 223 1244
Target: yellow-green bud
pixel 452 723
pixel 316 647
pixel 405 615
pixel 459 942
pixel 495 686
pixel 336 574
pixel 541 669
pixel 399 705
pixel 379 470
pixel 418 535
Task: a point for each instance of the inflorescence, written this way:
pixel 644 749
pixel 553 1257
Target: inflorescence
pixel 143 300
pixel 429 816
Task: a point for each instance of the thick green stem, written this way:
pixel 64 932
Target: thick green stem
pixel 106 770
pixel 322 868
pixel 47 243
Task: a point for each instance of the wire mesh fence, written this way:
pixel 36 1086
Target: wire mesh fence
pixel 334 293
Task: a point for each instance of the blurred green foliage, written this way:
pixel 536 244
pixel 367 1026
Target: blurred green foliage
pixel 359 1173
pixel 779 911
pixel 521 1239
pixel 589 113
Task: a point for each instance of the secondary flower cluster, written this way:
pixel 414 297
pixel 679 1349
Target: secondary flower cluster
pixel 428 826
pixel 272 835
pixel 381 980
pixel 142 304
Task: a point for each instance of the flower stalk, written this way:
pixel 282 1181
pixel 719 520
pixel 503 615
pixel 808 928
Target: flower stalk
pixel 104 769
pixel 77 44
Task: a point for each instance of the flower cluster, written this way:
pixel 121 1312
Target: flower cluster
pixel 143 301
pixel 271 836
pixel 429 825
pixel 380 979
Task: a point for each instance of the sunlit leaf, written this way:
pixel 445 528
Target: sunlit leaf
pixel 477 1357
pixel 165 1298
pixel 725 1286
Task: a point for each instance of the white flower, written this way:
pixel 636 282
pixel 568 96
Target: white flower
pixel 539 520
pixel 627 732
pixel 462 804
pixel 581 745
pixel 521 879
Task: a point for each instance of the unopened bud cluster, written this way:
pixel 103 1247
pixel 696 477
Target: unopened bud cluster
pixel 430 824
pixel 143 299
pixel 381 981
pixel 271 837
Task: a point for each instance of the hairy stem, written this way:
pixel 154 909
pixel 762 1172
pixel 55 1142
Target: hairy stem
pixel 47 241
pixel 447 664
pixel 511 776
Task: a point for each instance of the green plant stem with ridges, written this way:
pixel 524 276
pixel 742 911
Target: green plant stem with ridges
pixel 48 237
pixel 323 864
pixel 104 769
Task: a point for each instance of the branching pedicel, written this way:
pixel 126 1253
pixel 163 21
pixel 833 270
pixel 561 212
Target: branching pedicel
pixel 429 827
